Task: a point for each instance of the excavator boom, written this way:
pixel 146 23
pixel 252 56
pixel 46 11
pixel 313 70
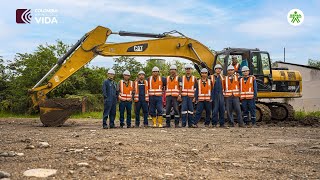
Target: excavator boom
pixel 54 112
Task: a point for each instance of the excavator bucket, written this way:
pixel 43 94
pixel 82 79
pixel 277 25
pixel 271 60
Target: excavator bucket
pixel 54 112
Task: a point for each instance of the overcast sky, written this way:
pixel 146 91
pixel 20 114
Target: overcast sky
pixel 217 24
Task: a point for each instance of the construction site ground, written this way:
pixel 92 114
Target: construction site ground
pixel 81 149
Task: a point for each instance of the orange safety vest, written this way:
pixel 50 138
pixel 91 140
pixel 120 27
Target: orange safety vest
pixel 125 91
pixel 204 92
pixel 155 86
pixel 236 67
pixel 172 87
pixel 231 88
pixel 246 88
pixel 213 81
pixel 188 86
pixel 136 94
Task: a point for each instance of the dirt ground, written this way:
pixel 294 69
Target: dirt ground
pixel 275 151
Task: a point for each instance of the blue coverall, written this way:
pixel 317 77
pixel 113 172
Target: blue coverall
pixel 142 103
pixel 217 101
pixel 110 102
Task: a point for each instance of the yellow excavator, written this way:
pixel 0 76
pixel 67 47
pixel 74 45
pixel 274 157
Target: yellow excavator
pixel 272 83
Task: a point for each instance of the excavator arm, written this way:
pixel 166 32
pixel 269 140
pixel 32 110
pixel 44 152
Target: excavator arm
pixel 55 112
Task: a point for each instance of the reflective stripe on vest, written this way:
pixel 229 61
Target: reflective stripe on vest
pixel 232 88
pixel 246 88
pixel 172 87
pixel 136 94
pixel 126 91
pixel 155 87
pixel 188 86
pixel 204 93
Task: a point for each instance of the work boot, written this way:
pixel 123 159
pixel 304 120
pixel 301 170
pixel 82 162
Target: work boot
pixel 242 125
pixel 105 127
pixel 154 121
pixel 160 119
pixel 254 125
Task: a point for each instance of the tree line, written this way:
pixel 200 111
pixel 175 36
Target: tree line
pixel 25 69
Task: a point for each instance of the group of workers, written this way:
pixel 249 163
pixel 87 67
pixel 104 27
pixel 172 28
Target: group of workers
pixel 212 93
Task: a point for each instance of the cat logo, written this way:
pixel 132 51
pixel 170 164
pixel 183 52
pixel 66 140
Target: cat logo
pixel 138 48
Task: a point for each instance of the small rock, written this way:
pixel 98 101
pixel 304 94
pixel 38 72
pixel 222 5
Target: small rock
pixel 4 174
pixel 77 135
pixel 41 173
pixel 149 140
pixel 206 146
pixel 78 150
pixel 44 145
pixel 236 164
pixel 8 154
pixel 29 146
pixel 20 154
pixel 83 164
pixel 203 130
pixel 71 172
pixel 27 140
pixel 119 143
pixel 164 131
pixel 93 130
pixel 168 175
pixel 196 151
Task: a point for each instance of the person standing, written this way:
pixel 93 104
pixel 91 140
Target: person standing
pixel 232 95
pixel 125 89
pixel 217 96
pixel 173 89
pixel 189 84
pixel 110 100
pixel 156 85
pixel 203 97
pixel 248 94
pixel 141 98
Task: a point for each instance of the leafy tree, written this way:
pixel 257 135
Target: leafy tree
pixel 28 68
pixel 314 63
pixel 126 63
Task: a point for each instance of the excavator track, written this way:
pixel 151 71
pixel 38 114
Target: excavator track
pixel 263 113
pixel 281 111
pixel 54 112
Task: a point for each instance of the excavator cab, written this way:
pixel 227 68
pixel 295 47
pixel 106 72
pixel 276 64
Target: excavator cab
pixel 273 84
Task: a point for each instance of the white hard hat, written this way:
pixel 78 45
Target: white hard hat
pixel 217 66
pixel 155 69
pixel 111 71
pixel 204 70
pixel 126 72
pixel 188 66
pixel 245 68
pixel 141 72
pixel 230 67
pixel 173 67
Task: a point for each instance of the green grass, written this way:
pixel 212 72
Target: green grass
pixel 13 115
pixel 303 114
pixel 92 115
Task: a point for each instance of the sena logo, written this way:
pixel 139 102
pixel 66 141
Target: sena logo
pixel 23 16
pixel 41 16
